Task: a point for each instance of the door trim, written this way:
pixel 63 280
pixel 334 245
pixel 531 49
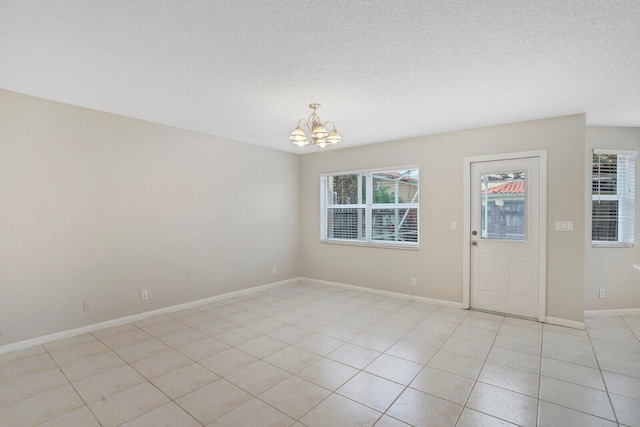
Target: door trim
pixel 466 233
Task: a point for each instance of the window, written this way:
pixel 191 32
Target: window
pixel 371 207
pixel 613 198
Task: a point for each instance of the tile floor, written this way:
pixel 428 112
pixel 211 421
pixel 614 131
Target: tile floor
pixel 311 355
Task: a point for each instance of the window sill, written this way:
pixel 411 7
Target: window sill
pixel 612 245
pixel 410 247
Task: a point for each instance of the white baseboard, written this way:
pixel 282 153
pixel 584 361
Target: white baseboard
pixel 564 322
pixel 613 312
pixel 385 293
pixel 140 316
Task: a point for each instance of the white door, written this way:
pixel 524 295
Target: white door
pixel 505 236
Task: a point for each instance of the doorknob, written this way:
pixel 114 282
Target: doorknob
pixel 474 243
pixel 474 232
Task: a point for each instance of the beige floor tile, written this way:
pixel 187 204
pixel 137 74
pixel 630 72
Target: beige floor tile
pixel 127 404
pixel 213 400
pixel 142 350
pixel 42 407
pixel 387 421
pixel 258 377
pixel 113 330
pixel 412 351
pixel 371 391
pixel 204 348
pixel 160 364
pixel 107 383
pixel 393 368
pixel 340 411
pixel 243 317
pixel 579 356
pixel 553 416
pixel 622 385
pixel 262 346
pixel 620 365
pixel 80 417
pixel 14 369
pixel 421 409
pixel 227 361
pixel 374 341
pixel 474 334
pixel 456 364
pixel 353 355
pixel 294 396
pixel 327 373
pixel 91 366
pixel 215 327
pixel 510 379
pixel 467 348
pixel 265 326
pixel 13 356
pixel 77 352
pixel 164 328
pixel 627 410
pixel 566 339
pixel 292 359
pixel 514 359
pixel 194 318
pixel 61 344
pixel 167 415
pixel 319 344
pixel 290 334
pixel 126 339
pixel 471 418
pixel 570 372
pixel 253 413
pixel 504 404
pixel 236 336
pixel 183 337
pixel 429 338
pixel 31 385
pixel 523 345
pixel 588 400
pixel 444 385
pixel 184 380
pixel 342 333
pixel 521 331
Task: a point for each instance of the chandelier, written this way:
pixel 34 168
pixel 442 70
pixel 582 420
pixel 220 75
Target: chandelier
pixel 318 131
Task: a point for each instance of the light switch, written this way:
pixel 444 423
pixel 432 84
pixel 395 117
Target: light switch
pixel 564 225
pixel 454 225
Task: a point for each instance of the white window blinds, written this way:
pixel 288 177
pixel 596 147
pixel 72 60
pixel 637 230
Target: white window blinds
pixel 370 207
pixel 613 197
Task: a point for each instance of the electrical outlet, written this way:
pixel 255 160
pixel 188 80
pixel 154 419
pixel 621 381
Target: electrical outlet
pixel 602 293
pixel 88 306
pixel 275 270
pixel 413 281
pixel 144 295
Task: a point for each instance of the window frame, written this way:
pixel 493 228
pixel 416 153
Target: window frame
pixel 625 180
pixel 369 207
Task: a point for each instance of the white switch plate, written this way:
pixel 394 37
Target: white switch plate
pixel 564 225
pixel 144 295
pixel 454 225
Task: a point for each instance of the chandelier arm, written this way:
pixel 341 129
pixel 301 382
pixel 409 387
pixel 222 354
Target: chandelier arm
pixel 332 124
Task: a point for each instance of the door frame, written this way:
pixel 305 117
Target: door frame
pixel 542 226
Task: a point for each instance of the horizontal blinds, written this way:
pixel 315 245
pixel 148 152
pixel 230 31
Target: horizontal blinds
pixel 613 194
pixel 371 206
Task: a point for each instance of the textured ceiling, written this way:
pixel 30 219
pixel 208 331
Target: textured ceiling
pixel 382 69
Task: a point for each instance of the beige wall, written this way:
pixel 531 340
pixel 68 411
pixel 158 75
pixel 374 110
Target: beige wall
pixel 611 268
pixel 97 206
pixel 438 264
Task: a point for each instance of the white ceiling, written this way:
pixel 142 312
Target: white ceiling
pixel 382 69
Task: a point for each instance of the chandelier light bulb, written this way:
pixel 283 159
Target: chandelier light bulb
pixel 316 130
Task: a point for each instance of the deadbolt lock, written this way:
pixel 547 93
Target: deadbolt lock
pixel 474 232
pixel 474 243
